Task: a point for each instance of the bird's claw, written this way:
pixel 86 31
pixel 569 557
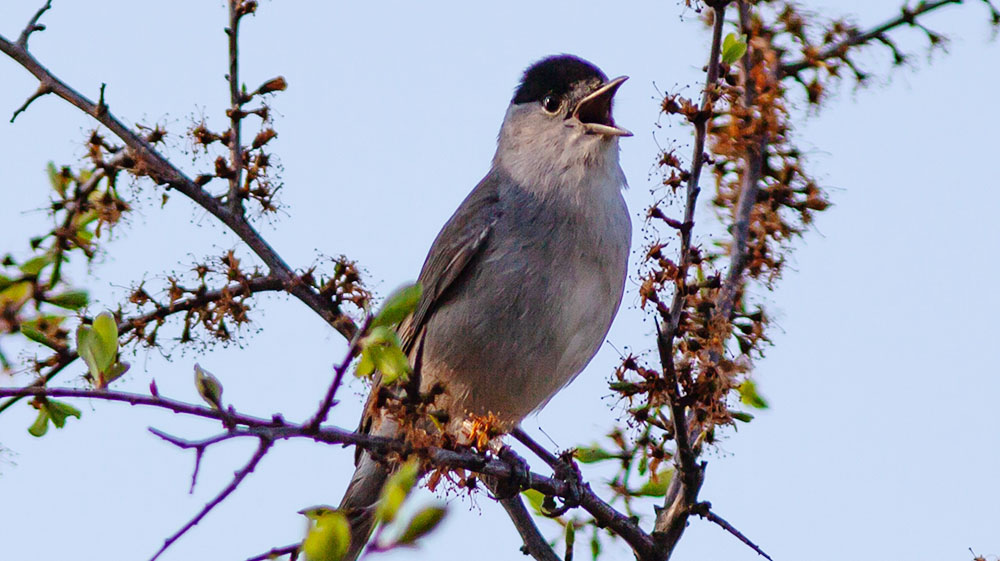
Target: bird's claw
pixel 520 474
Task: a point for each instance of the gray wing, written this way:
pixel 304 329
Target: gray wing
pixel 462 238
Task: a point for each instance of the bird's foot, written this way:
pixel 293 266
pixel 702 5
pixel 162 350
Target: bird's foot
pixel 520 474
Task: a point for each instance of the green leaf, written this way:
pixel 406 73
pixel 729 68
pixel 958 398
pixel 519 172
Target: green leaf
pixel 59 411
pixel 31 330
pixel 328 539
pixel 656 488
pixel 535 499
pixel 366 365
pixel 395 490
pixel 71 300
pixel 570 539
pixel 733 48
pixel 400 304
pixel 86 347
pixel 5 282
pixel 208 386
pixel 749 395
pixel 106 332
pixel 595 544
pixel 41 424
pixel 421 524
pixel 117 370
pixel 35 265
pixel 592 454
pixel 58 179
pixel 741 416
pixel 382 348
pixel 392 363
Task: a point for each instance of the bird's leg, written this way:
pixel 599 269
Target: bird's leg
pixel 520 474
pixel 567 471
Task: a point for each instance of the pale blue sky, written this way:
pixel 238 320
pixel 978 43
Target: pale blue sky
pixel 883 437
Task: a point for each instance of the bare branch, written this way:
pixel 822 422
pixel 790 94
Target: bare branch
pixel 704 510
pixel 535 544
pixel 33 26
pixel 236 101
pixel 42 90
pixel 907 16
pixel 338 377
pixel 292 550
pixel 199 448
pixel 161 170
pixel 238 477
pixel 252 286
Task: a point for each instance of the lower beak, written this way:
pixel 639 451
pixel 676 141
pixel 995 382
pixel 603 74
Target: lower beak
pixel 594 111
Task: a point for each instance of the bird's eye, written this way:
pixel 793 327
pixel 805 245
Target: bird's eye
pixel 551 103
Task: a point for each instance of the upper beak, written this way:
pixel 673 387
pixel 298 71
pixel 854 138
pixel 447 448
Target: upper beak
pixel 594 111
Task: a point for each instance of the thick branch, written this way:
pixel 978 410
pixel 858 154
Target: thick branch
pixel 907 16
pixel 274 429
pixel 161 170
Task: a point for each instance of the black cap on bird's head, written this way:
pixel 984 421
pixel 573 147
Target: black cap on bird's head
pixel 572 87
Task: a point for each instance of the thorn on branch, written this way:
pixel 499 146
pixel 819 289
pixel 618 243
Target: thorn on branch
pixel 43 89
pixel 102 107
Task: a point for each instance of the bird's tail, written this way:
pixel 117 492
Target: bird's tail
pixel 363 492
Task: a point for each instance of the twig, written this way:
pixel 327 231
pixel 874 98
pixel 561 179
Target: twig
pixel 292 550
pixel 672 519
pixel 33 26
pixel 906 17
pixel 338 378
pixel 748 191
pixel 536 448
pixel 277 429
pixel 252 286
pixel 199 448
pixel 535 544
pixel 43 89
pixel 704 510
pixel 236 100
pixel 161 170
pixel 238 477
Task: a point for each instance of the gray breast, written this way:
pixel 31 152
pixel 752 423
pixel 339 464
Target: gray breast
pixel 535 305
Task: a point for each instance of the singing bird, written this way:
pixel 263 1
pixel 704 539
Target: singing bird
pixel 523 281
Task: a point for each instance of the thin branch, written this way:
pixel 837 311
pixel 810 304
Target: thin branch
pixel 907 16
pixel 704 510
pixel 535 544
pixel 276 428
pixel 33 26
pixel 236 100
pixel 292 550
pixel 43 89
pixel 252 286
pixel 748 191
pixel 672 519
pixel 338 378
pixel 199 448
pixel 161 170
pixel 238 478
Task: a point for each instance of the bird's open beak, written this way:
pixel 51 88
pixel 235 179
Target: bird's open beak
pixel 594 111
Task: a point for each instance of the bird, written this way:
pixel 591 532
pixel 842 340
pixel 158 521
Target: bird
pixel 521 285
